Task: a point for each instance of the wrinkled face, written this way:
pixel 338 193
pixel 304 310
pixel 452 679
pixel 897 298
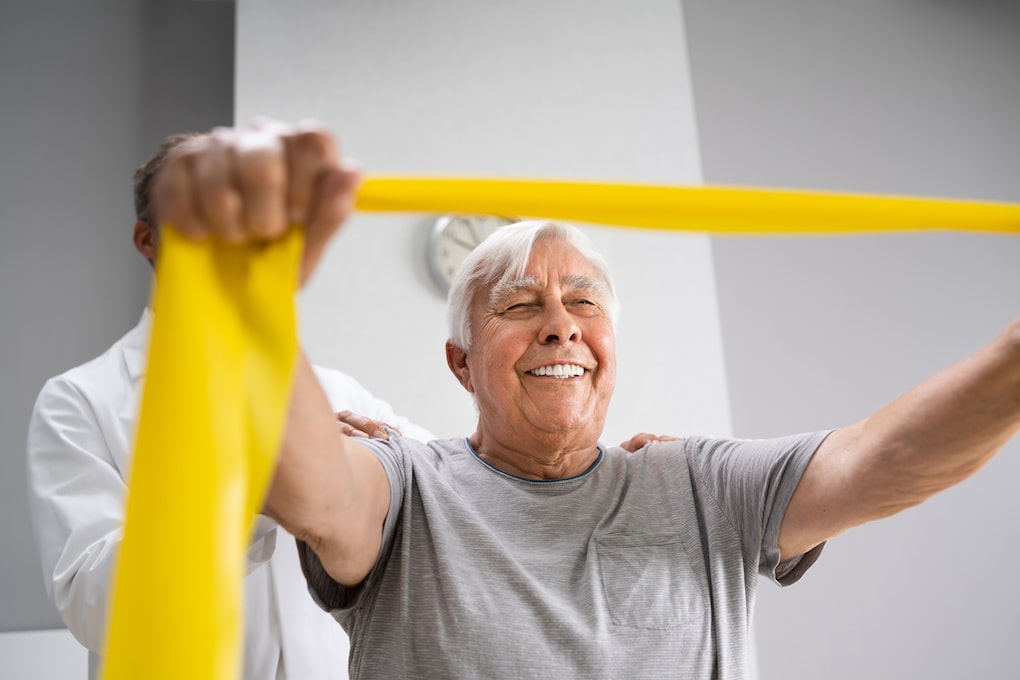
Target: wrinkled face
pixel 543 360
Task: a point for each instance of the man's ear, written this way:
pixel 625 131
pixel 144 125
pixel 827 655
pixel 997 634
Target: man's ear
pixel 456 359
pixel 146 239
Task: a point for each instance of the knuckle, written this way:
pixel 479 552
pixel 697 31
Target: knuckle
pixel 217 199
pixel 313 144
pixel 262 170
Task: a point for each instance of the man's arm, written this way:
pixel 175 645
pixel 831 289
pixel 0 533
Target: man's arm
pixel 328 490
pixel 932 437
pixel 250 186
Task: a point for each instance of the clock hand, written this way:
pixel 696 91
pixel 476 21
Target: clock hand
pixel 461 242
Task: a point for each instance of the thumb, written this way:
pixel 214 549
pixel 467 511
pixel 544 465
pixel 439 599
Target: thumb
pixel 335 194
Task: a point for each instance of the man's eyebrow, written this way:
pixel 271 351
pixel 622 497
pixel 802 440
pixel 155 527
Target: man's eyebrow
pixel 572 282
pixel 505 289
pixel 584 283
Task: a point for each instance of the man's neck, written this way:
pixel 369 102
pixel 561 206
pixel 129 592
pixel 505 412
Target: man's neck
pixel 539 461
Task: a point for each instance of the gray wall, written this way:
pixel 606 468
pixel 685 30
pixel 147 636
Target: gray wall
pixel 910 97
pixel 87 90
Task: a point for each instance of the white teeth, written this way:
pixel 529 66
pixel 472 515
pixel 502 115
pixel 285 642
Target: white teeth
pixel 559 371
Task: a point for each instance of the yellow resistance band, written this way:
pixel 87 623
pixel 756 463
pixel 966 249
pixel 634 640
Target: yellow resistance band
pixel 221 355
pixel 718 210
pixel 223 348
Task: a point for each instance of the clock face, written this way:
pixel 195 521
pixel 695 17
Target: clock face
pixel 452 238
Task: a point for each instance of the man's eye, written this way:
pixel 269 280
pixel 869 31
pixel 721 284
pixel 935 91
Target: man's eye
pixel 586 306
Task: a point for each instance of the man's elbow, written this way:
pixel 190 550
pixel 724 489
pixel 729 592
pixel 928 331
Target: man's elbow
pixel 347 561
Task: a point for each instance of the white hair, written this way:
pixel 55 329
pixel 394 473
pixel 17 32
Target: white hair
pixel 503 257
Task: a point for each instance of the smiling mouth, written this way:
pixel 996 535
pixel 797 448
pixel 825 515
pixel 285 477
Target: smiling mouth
pixel 558 371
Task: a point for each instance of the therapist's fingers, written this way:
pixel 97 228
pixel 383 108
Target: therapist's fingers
pixel 355 425
pixel 642 439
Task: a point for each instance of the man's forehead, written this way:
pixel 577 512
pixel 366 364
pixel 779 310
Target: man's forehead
pixel 555 257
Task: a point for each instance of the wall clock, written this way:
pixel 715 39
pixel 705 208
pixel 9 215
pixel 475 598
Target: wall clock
pixel 452 238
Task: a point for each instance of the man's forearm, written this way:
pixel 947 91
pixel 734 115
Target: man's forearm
pixel 946 428
pixel 309 457
pixel 328 490
pixel 934 436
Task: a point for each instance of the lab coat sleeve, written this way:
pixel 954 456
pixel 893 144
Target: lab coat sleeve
pixel 76 498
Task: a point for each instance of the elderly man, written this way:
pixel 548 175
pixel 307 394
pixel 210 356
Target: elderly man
pixel 528 549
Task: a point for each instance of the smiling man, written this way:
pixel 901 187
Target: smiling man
pixel 528 549
pixel 531 548
pixel 549 397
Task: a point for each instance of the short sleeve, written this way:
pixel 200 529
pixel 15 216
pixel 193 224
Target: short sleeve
pixel 753 480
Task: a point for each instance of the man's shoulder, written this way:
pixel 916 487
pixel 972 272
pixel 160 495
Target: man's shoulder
pixel 652 453
pixel 437 448
pixel 428 458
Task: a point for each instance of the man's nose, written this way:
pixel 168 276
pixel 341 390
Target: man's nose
pixel 559 326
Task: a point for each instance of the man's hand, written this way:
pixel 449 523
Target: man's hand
pixel 245 185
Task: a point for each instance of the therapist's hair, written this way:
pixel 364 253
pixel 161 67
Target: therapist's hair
pixel 147 171
pixel 502 258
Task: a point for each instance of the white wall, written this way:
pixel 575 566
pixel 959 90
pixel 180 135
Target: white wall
pixel 539 88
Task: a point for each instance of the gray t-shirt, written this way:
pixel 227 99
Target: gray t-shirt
pixel 644 566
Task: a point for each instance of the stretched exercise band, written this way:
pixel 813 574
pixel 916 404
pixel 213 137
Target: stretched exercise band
pixel 221 355
pixel 717 210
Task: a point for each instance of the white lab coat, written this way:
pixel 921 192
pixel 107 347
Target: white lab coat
pixel 80 442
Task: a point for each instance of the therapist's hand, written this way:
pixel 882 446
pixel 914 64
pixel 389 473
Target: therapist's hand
pixel 355 425
pixel 251 184
pixel 642 439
